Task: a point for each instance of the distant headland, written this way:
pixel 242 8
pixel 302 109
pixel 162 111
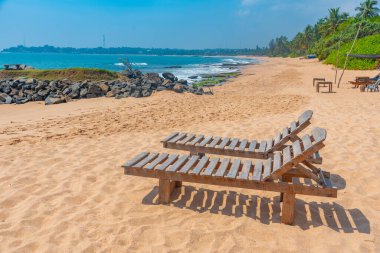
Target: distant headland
pixel 135 51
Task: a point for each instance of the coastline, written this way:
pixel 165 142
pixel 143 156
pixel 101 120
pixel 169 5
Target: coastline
pixel 62 188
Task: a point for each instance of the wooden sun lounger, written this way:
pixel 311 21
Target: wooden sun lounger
pixel 279 173
pixel 200 144
pixel 361 80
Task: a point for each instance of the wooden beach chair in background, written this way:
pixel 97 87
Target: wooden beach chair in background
pixel 361 80
pixel 200 144
pixel 374 87
pixel 281 172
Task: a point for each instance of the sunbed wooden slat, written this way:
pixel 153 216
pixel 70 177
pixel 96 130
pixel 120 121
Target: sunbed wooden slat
pixel 170 136
pixel 293 126
pixel 306 142
pixel 286 155
pixel 306 116
pixel 256 176
pixel 269 145
pixel 276 161
pixel 159 159
pixel 243 145
pixel 222 168
pixel 189 164
pixel 296 148
pixel 246 169
pixel 201 164
pixel 136 159
pixel 211 166
pixel 178 163
pixel 252 146
pixel 277 139
pixel 167 162
pixel 223 143
pixel 214 142
pixel 267 168
pixel 177 138
pixel 319 134
pixel 146 160
pixel 205 141
pixel 233 144
pixel 195 140
pixel 285 132
pixel 262 146
pixel 185 140
pixel 234 169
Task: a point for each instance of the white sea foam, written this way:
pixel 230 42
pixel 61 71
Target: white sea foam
pixel 139 63
pixel 121 64
pixel 200 69
pixel 239 61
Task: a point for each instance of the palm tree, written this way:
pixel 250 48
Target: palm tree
pixel 368 9
pixel 333 20
pixel 309 36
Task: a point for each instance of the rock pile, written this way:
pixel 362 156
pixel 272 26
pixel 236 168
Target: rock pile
pixel 136 84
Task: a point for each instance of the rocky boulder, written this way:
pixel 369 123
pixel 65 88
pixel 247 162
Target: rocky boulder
pixel 5 98
pixel 94 89
pixel 54 100
pixel 178 88
pixel 169 76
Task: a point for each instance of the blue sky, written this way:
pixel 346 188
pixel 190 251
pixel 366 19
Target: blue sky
pixel 158 23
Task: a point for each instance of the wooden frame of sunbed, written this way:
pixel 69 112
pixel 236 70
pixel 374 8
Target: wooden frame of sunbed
pixel 200 144
pixel 274 174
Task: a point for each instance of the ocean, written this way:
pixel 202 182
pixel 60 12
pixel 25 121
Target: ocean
pixel 181 66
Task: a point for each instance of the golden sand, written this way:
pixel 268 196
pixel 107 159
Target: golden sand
pixel 62 188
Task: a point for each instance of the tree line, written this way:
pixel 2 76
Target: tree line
pixel 322 37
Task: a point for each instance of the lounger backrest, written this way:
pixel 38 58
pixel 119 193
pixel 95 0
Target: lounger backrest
pixel 289 132
pixel 299 151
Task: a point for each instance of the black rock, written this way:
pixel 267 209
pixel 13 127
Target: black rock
pixel 174 67
pixel 170 76
pixel 54 100
pixel 146 93
pixel 83 92
pixel 178 88
pixel 94 89
pixel 161 88
pixel 5 98
pixel 193 77
pixel 90 95
pixel 182 81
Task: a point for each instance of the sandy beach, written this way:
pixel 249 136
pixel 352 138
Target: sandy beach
pixel 62 188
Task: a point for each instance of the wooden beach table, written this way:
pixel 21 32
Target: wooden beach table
pixel 318 79
pixel 279 173
pixel 324 84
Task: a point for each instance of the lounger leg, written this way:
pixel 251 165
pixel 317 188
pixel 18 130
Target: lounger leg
pixel 165 188
pixel 285 179
pixel 288 208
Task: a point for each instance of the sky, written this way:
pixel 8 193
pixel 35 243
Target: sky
pixel 189 24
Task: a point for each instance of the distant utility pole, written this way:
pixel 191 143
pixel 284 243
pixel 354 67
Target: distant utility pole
pixel 104 41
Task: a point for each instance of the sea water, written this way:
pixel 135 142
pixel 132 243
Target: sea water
pixel 181 66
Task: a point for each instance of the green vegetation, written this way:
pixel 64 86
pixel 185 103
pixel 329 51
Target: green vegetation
pixel 367 45
pixel 74 74
pixel 216 79
pixel 324 37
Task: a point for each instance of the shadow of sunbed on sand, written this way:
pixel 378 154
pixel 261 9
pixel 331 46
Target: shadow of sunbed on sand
pixel 265 210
